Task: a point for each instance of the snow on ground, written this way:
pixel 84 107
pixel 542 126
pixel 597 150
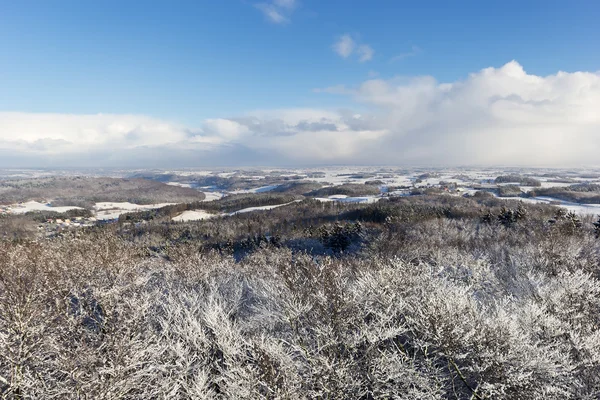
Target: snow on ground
pixel 110 210
pixel 129 206
pixel 211 196
pixel 345 199
pixel 261 208
pixel 429 182
pixel 195 215
pixel 263 189
pixel 581 209
pixel 546 184
pixel 363 199
pixel 399 193
pixel 185 185
pixel 260 189
pixel 527 189
pixel 36 206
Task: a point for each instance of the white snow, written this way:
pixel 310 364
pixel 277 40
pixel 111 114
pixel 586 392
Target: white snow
pixel 36 206
pixel 345 199
pixel 195 215
pixel 211 196
pixel 581 209
pixel 110 210
pixel 260 189
pixel 546 184
pixel 363 199
pixel 263 189
pixel 185 185
pixel 262 208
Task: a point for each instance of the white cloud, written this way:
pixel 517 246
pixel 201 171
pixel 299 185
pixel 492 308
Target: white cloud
pixel 278 11
pixel 224 128
pixel 494 116
pixel 83 132
pixel 289 4
pixel 337 89
pixel 346 45
pixel 415 50
pixel 365 53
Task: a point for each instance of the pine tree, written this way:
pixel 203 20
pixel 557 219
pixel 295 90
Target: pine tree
pixel 597 227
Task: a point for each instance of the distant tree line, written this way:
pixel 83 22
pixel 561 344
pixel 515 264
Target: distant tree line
pixel 520 179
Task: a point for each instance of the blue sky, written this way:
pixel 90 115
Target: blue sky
pixel 188 61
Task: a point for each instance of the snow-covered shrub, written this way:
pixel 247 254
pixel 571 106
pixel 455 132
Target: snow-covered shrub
pixel 434 306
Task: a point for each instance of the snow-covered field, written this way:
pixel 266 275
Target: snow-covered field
pixel 185 185
pixel 581 209
pixel 363 199
pixel 546 184
pixel 260 189
pixel 102 211
pixel 345 199
pixel 109 210
pixel 262 208
pixel 195 215
pixel 211 196
pixel 36 206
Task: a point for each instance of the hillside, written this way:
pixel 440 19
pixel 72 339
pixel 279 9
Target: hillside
pixel 424 297
pixel 85 191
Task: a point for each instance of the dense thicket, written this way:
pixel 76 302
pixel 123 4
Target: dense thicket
pixel 299 187
pixel 427 297
pixel 520 179
pixel 17 227
pixel 509 191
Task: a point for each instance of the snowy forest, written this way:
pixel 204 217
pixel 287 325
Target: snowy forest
pixel 428 296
